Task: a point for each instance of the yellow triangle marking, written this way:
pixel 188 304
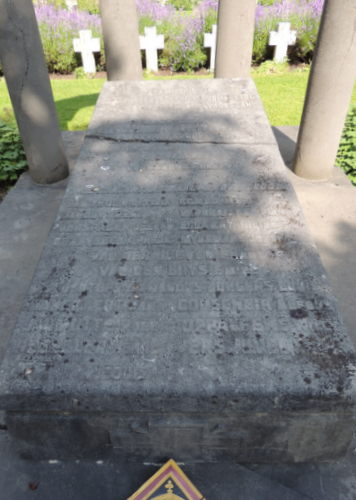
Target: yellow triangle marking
pixel 170 475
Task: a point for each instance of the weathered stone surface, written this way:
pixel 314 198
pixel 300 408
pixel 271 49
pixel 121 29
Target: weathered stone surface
pixel 179 307
pixel 214 112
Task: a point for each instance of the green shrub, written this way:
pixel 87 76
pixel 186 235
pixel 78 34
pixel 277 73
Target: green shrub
pixel 267 2
pixel 271 68
pixel 58 4
pixel 91 6
pixel 12 156
pixel 183 4
pixel 307 33
pixel 183 46
pixel 146 22
pixel 58 28
pixel 346 157
pixel 304 17
pixel 182 22
pixel 210 18
pixel 261 50
pixel 79 73
pixel 58 51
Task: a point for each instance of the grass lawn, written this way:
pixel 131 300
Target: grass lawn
pixel 75 101
pixel 282 95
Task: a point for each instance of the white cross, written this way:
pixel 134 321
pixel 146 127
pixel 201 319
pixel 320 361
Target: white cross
pixel 282 39
pixel 71 4
pixel 87 45
pixel 210 42
pixel 150 43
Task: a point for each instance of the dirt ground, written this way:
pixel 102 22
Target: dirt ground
pixel 168 72
pixel 102 74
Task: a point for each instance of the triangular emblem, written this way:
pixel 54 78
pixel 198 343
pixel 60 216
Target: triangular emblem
pixel 168 483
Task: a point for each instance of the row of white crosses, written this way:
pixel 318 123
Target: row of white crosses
pixel 281 39
pixel 151 43
pixel 210 43
pixel 86 45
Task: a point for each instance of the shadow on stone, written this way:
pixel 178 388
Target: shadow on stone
pixel 179 303
pixel 286 138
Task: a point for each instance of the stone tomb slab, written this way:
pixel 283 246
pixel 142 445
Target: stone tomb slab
pixel 179 308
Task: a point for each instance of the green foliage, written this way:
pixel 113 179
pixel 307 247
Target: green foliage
pixel 211 18
pixel 304 17
pixel 267 2
pixel 177 60
pixel 271 68
pixel 307 33
pixel 58 4
pixel 58 28
pixel 58 51
pixel 12 156
pixel 91 6
pixel 282 94
pixel 183 4
pixel 79 73
pixel 147 22
pixel 183 49
pixel 261 50
pixel 346 157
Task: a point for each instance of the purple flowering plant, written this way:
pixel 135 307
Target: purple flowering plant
pixel 304 16
pixel 58 27
pixel 183 29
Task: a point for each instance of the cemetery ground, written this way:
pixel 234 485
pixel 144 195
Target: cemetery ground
pixel 281 89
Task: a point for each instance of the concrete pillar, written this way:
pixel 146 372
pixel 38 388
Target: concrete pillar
pixel 236 24
pixel 26 76
pixel 121 39
pixel 329 91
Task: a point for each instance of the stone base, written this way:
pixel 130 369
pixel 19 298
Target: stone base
pixel 179 307
pixel 264 438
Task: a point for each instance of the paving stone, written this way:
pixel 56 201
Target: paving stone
pixel 109 480
pixel 336 481
pixel 180 307
pixel 26 217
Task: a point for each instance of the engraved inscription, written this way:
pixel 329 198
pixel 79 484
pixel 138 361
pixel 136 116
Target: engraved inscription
pixel 180 269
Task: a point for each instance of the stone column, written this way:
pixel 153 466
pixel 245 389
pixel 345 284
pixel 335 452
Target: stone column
pixel 121 39
pixel 236 24
pixel 329 91
pixel 26 76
